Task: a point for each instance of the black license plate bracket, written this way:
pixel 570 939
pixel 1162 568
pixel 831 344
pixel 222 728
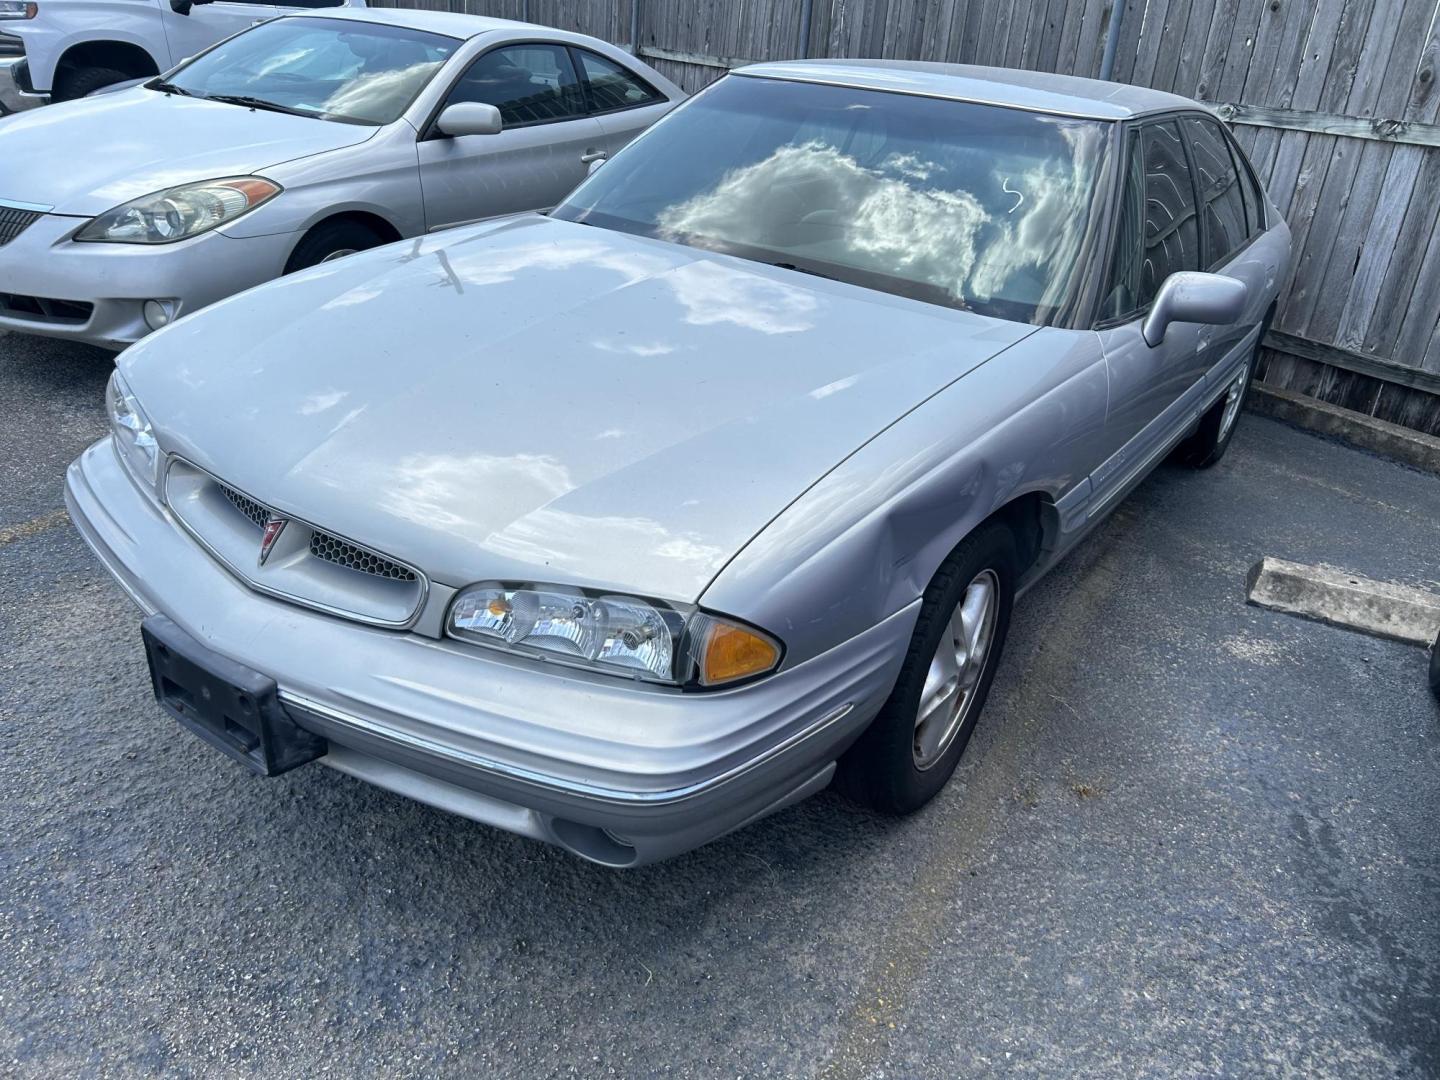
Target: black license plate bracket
pixel 234 708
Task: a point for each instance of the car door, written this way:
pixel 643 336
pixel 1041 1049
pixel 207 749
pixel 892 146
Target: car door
pixel 541 153
pixel 208 22
pixel 1154 390
pixel 624 103
pixel 1230 219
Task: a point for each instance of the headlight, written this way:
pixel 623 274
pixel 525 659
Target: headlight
pixel 18 9
pixel 134 437
pixel 179 212
pixel 623 635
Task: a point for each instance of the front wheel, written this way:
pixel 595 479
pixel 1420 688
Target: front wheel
pixel 332 240
pixel 81 82
pixel 912 746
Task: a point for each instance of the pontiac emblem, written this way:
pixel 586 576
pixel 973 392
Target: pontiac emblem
pixel 274 526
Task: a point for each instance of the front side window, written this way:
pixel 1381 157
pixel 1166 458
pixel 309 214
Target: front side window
pixel 331 69
pixel 1172 233
pixel 1222 206
pixel 965 205
pixel 529 84
pixel 612 86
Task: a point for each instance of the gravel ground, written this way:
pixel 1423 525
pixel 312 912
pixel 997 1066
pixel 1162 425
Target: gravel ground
pixel 1190 838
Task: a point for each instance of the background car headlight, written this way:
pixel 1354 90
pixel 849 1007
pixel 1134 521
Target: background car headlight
pixel 18 9
pixel 620 634
pixel 179 212
pixel 134 437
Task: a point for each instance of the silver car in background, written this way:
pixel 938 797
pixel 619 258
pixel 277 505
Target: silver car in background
pixel 625 526
pixel 304 139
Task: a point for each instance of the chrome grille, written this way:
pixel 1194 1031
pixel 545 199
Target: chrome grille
pixel 13 222
pixel 333 549
pixel 246 505
pixel 11 46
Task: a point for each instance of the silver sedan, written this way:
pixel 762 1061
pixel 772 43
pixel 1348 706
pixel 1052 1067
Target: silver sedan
pixel 301 140
pixel 624 526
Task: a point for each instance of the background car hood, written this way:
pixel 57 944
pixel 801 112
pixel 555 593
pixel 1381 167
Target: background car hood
pixel 548 401
pixel 84 157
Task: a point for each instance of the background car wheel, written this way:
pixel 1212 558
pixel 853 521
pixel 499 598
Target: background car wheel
pixel 910 749
pixel 1217 426
pixel 78 82
pixel 332 240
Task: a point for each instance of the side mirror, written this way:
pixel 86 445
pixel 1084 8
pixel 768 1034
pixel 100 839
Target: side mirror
pixel 181 7
pixel 469 118
pixel 1191 297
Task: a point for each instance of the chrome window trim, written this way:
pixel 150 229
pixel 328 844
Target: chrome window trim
pixel 280 594
pixel 547 781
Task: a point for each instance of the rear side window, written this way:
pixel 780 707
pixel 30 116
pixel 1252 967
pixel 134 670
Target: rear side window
pixel 529 84
pixel 612 86
pixel 1222 205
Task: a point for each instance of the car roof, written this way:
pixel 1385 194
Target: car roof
pixel 450 23
pixel 1036 91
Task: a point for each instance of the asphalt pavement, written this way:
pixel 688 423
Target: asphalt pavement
pixel 1190 838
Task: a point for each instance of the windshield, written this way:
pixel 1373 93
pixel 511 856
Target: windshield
pixel 335 69
pixel 971 206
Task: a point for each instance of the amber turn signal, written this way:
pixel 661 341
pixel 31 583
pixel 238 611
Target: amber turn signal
pixel 732 652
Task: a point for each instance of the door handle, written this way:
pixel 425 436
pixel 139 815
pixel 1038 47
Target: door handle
pixel 593 155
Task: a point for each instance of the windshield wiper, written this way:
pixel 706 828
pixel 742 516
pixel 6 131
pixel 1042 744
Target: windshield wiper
pixel 169 88
pixel 260 103
pixel 804 270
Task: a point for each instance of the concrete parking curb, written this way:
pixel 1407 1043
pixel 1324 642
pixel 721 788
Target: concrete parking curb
pixel 1401 443
pixel 1333 596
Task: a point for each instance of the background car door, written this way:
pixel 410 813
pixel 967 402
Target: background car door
pixel 623 102
pixel 533 163
pixel 1152 389
pixel 208 23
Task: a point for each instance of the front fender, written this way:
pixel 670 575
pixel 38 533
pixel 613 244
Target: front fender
pixel 864 542
pixel 85 23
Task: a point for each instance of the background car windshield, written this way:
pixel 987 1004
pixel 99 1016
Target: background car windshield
pixel 971 206
pixel 333 68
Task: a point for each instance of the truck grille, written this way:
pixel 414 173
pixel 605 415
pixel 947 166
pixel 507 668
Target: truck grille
pixel 11 46
pixel 13 222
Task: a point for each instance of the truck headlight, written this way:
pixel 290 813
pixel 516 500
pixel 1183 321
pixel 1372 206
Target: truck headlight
pixel 178 213
pixel 18 9
pixel 622 635
pixel 134 438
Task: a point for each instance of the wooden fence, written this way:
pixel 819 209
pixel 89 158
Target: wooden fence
pixel 1335 100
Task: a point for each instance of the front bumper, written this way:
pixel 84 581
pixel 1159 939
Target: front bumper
pixel 16 93
pixel 617 772
pixel 111 282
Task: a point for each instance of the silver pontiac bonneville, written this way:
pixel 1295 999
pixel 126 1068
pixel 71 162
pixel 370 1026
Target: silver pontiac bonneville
pixel 627 525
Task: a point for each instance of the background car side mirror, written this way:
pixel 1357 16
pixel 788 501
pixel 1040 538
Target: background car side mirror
pixel 182 7
pixel 1194 298
pixel 469 118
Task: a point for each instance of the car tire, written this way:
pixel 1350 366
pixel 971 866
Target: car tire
pixel 897 765
pixel 1217 427
pixel 332 240
pixel 78 82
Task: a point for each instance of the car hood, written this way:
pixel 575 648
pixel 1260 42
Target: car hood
pixel 85 157
pixel 546 401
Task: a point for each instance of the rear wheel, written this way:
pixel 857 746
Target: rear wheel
pixel 332 240
pixel 912 747
pixel 1217 426
pixel 77 82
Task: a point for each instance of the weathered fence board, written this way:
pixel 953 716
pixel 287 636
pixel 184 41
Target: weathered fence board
pixel 1335 100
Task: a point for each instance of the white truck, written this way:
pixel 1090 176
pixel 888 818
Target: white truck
pixel 55 50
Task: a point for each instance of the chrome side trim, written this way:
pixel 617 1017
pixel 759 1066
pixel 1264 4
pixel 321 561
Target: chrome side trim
pixel 546 781
pixel 280 594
